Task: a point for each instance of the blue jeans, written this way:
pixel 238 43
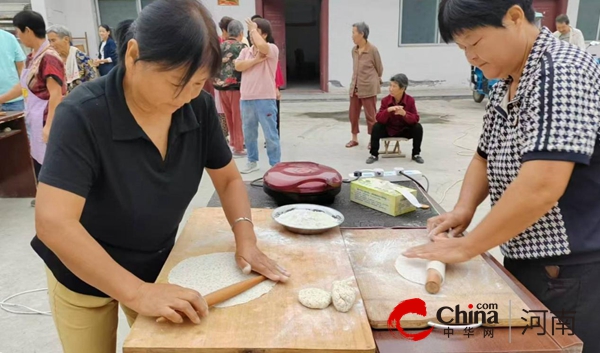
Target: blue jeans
pixel 17 106
pixel 263 111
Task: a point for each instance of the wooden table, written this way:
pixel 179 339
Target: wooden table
pixel 147 337
pixel 17 177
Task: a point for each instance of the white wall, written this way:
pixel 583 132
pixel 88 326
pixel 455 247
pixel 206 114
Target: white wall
pixel 78 15
pixel 573 11
pixel 439 66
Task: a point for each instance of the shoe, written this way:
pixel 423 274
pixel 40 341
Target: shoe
pixel 32 203
pixel 418 159
pixel 372 159
pixel 250 167
pixel 239 154
pixel 352 144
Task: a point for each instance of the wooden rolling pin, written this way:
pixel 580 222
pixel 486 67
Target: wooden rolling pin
pixel 227 293
pixel 436 272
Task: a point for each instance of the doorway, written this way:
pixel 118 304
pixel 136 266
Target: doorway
pixel 550 9
pixel 303 43
pixel 300 30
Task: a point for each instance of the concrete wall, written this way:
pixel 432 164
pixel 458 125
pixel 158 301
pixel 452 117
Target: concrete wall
pixel 436 65
pixel 78 15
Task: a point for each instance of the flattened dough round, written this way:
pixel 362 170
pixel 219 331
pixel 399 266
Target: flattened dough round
pixel 414 270
pixel 342 296
pixel 209 273
pixel 314 298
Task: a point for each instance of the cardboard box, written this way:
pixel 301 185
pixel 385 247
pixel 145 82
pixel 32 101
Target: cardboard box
pixel 381 195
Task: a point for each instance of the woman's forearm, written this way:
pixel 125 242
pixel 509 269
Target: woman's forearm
pixel 243 65
pixel 55 98
pixel 236 204
pixel 475 187
pixel 83 256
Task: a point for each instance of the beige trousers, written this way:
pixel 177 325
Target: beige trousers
pixel 85 323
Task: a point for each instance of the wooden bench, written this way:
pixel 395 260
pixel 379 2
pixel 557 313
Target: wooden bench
pixel 396 152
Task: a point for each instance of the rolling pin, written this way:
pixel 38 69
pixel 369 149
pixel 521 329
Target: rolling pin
pixel 227 293
pixel 436 272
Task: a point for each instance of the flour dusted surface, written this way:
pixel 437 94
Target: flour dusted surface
pixel 209 273
pixel 307 219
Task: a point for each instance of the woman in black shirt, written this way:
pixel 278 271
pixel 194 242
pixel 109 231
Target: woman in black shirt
pixel 125 157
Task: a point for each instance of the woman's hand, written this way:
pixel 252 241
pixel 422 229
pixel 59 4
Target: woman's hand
pixel 251 25
pixel 169 301
pixel 444 249
pixel 400 111
pixel 454 223
pixel 392 109
pixel 250 258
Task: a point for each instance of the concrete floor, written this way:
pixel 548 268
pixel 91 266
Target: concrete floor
pixel 315 131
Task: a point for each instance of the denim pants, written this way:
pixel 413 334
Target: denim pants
pixel 263 111
pixel 17 106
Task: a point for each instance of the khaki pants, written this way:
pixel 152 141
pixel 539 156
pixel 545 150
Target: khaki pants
pixel 85 323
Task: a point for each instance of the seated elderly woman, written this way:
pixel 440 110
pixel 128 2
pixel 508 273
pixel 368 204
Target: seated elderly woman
pixel 397 117
pixel 77 64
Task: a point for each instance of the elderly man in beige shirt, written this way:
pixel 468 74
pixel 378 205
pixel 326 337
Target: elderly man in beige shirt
pixel 567 33
pixel 366 80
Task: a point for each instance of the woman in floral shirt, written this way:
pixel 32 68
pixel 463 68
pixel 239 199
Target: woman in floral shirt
pixel 77 65
pixel 228 84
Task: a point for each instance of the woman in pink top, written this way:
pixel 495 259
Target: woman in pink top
pixel 258 102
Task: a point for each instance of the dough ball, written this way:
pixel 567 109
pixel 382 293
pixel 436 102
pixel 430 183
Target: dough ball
pixel 342 296
pixel 314 298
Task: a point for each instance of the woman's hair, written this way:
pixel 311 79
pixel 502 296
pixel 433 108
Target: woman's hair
pixel 255 17
pixel 174 34
pixel 235 28
pixel 265 28
pixel 401 80
pixel 32 20
pixel 456 16
pixel 106 28
pixel 60 30
pixel 224 23
pixel 363 29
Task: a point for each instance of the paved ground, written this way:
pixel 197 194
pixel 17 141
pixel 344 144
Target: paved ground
pixel 315 131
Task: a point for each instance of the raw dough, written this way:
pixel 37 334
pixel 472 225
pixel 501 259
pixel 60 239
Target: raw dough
pixel 342 296
pixel 314 298
pixel 414 270
pixel 209 273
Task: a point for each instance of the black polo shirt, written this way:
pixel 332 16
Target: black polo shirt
pixel 134 200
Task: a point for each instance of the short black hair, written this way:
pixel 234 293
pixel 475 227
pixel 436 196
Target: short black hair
pixel 107 28
pixel 174 34
pixel 224 23
pixel 456 16
pixel 401 80
pixel 32 20
pixel 255 17
pixel 563 19
pixel 265 28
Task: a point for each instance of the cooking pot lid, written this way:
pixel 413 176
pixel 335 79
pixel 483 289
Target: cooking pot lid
pixel 302 177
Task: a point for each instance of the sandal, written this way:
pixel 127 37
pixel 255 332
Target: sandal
pixel 351 144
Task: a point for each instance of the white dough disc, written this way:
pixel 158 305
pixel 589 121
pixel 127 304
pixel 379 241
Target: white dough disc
pixel 414 270
pixel 209 273
pixel 314 298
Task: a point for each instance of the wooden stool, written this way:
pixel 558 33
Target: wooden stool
pixel 394 153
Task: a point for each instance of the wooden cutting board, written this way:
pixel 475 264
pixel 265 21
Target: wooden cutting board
pixel 373 254
pixel 275 322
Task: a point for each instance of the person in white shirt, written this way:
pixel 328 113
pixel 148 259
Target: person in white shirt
pixel 567 33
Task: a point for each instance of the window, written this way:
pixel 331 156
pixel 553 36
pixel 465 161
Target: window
pixel 114 11
pixel 418 22
pixel 588 20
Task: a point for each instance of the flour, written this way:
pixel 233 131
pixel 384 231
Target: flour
pixel 209 273
pixel 314 298
pixel 307 219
